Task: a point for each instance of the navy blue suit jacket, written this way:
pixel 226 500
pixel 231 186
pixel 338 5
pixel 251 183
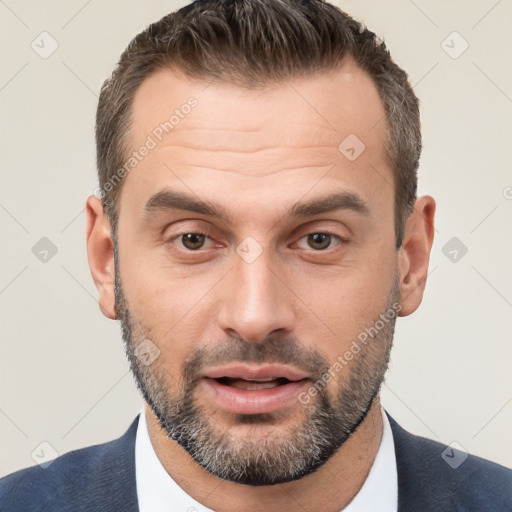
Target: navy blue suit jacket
pixel 102 478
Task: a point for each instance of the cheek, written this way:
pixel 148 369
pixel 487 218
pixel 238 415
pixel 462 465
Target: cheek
pixel 168 307
pixel 347 304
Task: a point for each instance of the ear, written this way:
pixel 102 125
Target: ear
pixel 414 255
pixel 100 253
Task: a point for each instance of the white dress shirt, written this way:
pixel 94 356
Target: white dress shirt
pixel 158 492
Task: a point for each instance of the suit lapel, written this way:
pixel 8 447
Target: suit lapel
pixel 114 486
pixel 420 485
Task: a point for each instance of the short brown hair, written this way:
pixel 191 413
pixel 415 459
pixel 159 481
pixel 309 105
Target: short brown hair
pixel 253 43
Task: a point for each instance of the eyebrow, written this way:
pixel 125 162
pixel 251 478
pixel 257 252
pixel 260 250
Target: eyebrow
pixel 170 200
pixel 336 201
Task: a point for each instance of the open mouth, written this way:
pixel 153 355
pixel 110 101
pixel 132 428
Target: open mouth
pixel 249 389
pixel 253 384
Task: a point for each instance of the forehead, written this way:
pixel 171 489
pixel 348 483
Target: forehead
pixel 331 103
pixel 213 136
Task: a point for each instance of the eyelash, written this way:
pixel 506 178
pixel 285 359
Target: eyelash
pixel 200 232
pixel 339 238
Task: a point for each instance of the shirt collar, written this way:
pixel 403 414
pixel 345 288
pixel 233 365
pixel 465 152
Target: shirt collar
pixel 379 492
pixel 157 490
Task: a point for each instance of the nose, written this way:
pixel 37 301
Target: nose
pixel 255 302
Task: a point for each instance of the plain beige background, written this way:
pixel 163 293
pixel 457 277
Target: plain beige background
pixel 64 379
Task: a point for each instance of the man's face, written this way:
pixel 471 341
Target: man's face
pixel 251 252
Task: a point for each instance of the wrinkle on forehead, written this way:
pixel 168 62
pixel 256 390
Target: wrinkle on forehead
pixel 320 108
pixel 257 163
pixel 282 132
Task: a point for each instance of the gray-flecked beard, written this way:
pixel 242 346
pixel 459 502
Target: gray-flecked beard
pixel 329 419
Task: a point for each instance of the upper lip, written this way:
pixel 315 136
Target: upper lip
pixel 238 371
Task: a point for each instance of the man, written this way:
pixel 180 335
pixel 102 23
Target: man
pixel 257 235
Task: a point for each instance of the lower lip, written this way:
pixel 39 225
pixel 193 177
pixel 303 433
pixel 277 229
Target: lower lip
pixel 244 401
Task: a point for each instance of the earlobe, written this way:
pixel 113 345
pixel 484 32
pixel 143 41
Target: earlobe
pixel 414 255
pixel 100 254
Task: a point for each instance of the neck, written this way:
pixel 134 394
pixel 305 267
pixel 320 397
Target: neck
pixel 329 489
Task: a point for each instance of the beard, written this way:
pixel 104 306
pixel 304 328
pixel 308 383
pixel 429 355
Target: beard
pixel 279 455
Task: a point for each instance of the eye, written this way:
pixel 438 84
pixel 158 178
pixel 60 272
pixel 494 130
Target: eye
pixel 193 241
pixel 319 241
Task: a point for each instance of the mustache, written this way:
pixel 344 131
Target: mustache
pixel 273 350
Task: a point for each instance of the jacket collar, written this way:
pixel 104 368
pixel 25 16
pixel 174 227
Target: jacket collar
pixel 423 481
pixel 117 464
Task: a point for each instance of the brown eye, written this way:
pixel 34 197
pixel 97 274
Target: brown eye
pixel 319 241
pixel 193 241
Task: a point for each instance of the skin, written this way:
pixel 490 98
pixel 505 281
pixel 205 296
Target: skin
pixel 256 153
